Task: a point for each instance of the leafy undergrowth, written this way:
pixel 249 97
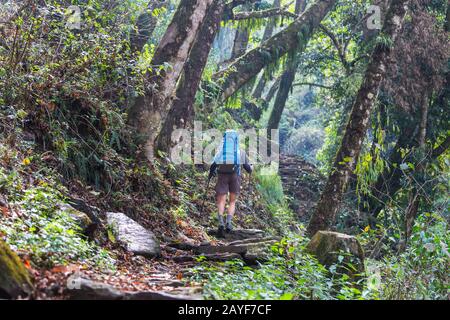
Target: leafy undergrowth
pixel 289 273
pixel 420 272
pixel 35 183
pixel 33 220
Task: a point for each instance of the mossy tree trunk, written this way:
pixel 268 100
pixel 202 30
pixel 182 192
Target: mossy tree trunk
pixel 14 278
pixel 292 39
pixel 150 110
pixel 240 43
pixel 345 162
pixel 287 79
pixel 268 31
pixel 181 112
pixel 280 100
pixel 272 90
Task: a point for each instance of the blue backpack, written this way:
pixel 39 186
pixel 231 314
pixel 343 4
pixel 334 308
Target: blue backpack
pixel 228 158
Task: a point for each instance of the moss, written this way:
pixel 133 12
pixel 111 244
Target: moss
pixel 327 246
pixel 14 277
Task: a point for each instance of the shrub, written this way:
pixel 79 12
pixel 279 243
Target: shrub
pixel 48 234
pixel 421 271
pixel 290 273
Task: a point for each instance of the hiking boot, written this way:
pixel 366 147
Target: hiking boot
pixel 229 227
pixel 220 231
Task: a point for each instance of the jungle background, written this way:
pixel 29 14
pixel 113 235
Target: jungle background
pixel 357 210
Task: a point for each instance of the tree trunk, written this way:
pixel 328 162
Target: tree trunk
pixel 273 89
pixel 181 112
pixel 240 43
pixel 287 79
pixel 302 5
pixel 447 19
pixel 268 31
pixel 280 101
pixel 145 25
pixel 260 86
pixel 292 39
pixel 345 162
pixel 258 110
pixel 150 110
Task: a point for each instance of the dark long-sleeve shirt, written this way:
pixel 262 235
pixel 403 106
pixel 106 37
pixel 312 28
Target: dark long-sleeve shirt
pixel 247 166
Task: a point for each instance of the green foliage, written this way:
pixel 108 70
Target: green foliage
pixel 270 187
pixel 290 273
pixel 384 41
pixel 305 141
pixel 50 235
pixel 370 165
pixel 331 143
pixel 421 272
pixel 74 84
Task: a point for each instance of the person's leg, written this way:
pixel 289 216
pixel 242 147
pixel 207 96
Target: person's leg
pixel 232 204
pixel 235 186
pixel 231 210
pixel 221 200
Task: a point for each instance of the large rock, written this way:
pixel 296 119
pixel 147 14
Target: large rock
pixel 327 246
pixel 14 278
pixel 133 236
pixel 79 288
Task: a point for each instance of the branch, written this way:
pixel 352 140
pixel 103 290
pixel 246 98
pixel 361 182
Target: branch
pixel 338 46
pixel 311 85
pixel 263 14
pixel 228 11
pixel 235 3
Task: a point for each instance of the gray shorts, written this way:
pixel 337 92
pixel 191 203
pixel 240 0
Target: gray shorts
pixel 228 182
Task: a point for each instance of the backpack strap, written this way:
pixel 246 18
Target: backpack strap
pixel 224 150
pixel 235 151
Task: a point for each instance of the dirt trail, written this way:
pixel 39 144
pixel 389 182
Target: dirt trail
pixel 302 183
pixel 166 277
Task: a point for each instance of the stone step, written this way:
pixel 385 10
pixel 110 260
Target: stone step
pixel 238 234
pixel 250 250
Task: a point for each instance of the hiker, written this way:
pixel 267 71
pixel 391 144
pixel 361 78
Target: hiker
pixel 227 163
